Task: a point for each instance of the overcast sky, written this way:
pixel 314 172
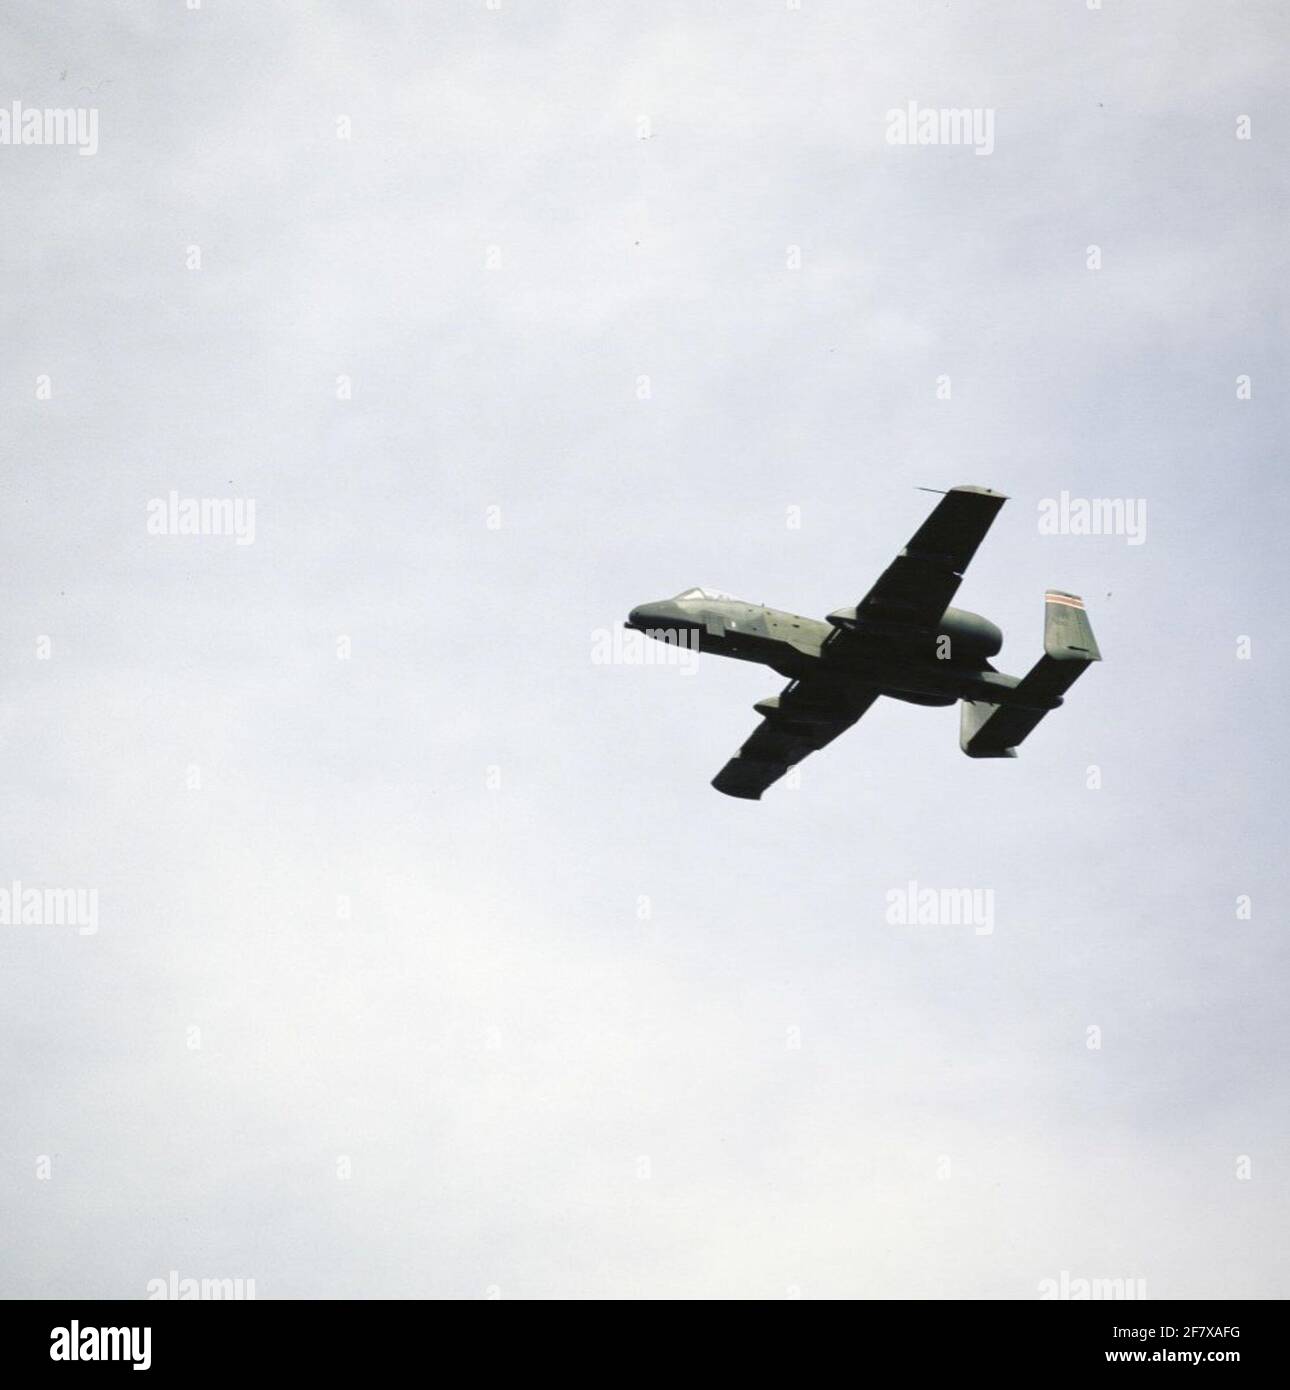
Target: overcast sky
pixel 591 1029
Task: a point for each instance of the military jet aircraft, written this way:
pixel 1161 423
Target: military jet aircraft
pixel 902 640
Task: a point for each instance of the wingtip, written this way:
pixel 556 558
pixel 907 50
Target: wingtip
pixel 979 491
pixel 744 794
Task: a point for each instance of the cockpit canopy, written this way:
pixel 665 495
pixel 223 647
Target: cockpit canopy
pixel 717 594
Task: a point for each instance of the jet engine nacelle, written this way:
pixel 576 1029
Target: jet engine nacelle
pixel 970 634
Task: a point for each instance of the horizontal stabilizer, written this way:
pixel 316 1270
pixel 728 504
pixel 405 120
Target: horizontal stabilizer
pixel 994 731
pixel 976 737
pixel 746 778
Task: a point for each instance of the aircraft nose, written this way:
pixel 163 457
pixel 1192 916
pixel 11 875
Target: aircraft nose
pixel 653 615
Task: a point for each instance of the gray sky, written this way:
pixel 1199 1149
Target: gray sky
pixel 764 1086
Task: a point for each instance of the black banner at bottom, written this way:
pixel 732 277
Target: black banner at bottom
pixel 169 1339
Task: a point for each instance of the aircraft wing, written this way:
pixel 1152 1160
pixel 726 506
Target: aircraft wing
pixel 916 588
pixel 803 718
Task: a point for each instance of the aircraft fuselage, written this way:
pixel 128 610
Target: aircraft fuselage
pixel 925 669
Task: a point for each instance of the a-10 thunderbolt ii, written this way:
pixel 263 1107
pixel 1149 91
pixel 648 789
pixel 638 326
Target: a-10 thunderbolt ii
pixel 902 640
